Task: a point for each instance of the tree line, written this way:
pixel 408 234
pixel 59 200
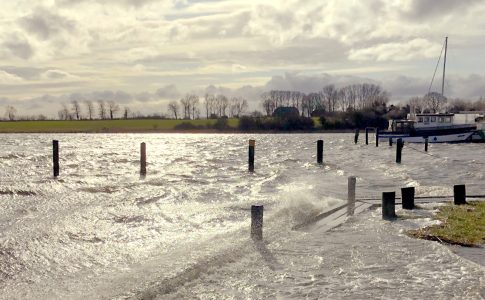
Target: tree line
pixel 214 106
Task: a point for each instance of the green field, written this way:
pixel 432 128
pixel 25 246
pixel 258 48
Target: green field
pixel 130 125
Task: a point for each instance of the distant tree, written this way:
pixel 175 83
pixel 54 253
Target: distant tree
pixel 10 112
pixel 113 109
pixel 209 104
pixel 416 105
pixel 222 104
pixel 76 109
pixel 435 101
pixel 90 108
pixel 173 108
pixel 126 112
pixel 101 109
pixel 63 113
pixel 238 106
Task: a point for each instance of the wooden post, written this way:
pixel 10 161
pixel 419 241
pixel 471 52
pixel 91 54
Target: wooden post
pixel 377 137
pixel 352 180
pixel 407 195
pixel 390 142
pixel 367 135
pixel 459 194
pixel 399 146
pixel 143 159
pixel 356 137
pixel 389 206
pixel 426 144
pixel 257 222
pixel 252 144
pixel 320 152
pixel 55 157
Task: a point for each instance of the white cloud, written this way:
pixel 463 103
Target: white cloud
pixel 57 75
pixel 8 78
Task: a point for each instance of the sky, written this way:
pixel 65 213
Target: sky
pixel 145 53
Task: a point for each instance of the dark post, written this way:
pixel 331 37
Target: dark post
pixel 459 194
pixel 367 135
pixel 356 137
pixel 55 157
pixel 320 152
pixel 407 195
pixel 143 159
pixel 377 137
pixel 252 143
pixel 426 144
pixel 351 195
pixel 390 142
pixel 389 206
pixel 257 222
pixel 399 146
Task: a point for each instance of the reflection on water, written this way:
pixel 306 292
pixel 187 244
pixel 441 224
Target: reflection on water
pixel 101 231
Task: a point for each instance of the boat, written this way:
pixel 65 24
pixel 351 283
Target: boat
pixel 436 127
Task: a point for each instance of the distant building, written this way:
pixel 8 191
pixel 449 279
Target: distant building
pixel 286 111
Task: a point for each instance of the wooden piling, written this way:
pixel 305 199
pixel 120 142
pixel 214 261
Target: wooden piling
pixel 356 137
pixel 459 194
pixel 399 146
pixel 320 152
pixel 143 159
pixel 377 137
pixel 257 222
pixel 389 206
pixel 390 142
pixel 367 135
pixel 352 180
pixel 55 157
pixel 407 196
pixel 426 144
pixel 252 144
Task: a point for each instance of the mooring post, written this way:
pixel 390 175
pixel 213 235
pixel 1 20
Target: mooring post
pixel 252 144
pixel 257 222
pixel 407 195
pixel 55 157
pixel 426 144
pixel 352 180
pixel 143 159
pixel 389 206
pixel 399 146
pixel 367 135
pixel 377 137
pixel 356 137
pixel 390 142
pixel 320 152
pixel 459 194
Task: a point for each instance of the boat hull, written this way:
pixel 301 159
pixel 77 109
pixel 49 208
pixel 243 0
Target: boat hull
pixel 445 138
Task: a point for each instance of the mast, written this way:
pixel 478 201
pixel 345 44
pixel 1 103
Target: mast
pixel 444 69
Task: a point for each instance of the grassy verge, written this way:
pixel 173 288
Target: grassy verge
pixel 461 225
pixel 130 125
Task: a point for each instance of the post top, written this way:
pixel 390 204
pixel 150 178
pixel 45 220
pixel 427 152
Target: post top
pixel 252 143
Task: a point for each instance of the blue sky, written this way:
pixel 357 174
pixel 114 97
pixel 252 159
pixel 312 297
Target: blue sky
pixel 144 53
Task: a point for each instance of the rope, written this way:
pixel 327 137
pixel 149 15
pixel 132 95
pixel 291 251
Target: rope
pixel 436 69
pixel 439 157
pixel 427 197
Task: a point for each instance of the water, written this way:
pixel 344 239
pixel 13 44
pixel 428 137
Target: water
pixel 101 231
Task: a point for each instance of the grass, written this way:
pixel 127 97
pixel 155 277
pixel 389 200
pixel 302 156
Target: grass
pixel 130 125
pixel 461 225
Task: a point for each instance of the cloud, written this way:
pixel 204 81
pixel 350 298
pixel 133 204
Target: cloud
pixel 57 75
pixel 18 46
pixel 44 24
pixel 8 78
pixel 168 92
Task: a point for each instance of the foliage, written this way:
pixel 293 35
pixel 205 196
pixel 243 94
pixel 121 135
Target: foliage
pixel 353 119
pixel 290 123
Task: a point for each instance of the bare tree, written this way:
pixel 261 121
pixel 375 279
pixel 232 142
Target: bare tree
pixel 102 109
pixel 222 104
pixel 416 105
pixel 194 103
pixel 329 96
pixel 63 113
pixel 209 104
pixel 173 108
pixel 113 108
pixel 435 101
pixel 76 109
pixel 10 112
pixel 238 106
pixel 90 108
pixel 126 112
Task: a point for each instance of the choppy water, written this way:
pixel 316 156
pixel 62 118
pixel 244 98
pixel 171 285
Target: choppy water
pixel 101 231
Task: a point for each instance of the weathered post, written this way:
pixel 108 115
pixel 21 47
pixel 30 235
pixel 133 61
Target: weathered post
pixel 143 159
pixel 426 144
pixel 320 152
pixel 407 195
pixel 377 137
pixel 55 157
pixel 367 135
pixel 459 194
pixel 399 146
pixel 389 206
pixel 356 137
pixel 252 144
pixel 257 222
pixel 352 180
pixel 390 142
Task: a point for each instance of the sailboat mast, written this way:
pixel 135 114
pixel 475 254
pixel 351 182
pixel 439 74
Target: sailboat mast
pixel 444 69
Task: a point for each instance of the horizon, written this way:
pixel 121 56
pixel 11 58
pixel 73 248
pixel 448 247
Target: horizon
pixel 144 53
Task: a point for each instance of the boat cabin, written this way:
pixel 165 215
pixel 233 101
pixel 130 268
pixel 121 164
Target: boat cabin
pixel 433 120
pixel 401 126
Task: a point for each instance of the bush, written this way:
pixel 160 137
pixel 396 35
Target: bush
pixel 185 126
